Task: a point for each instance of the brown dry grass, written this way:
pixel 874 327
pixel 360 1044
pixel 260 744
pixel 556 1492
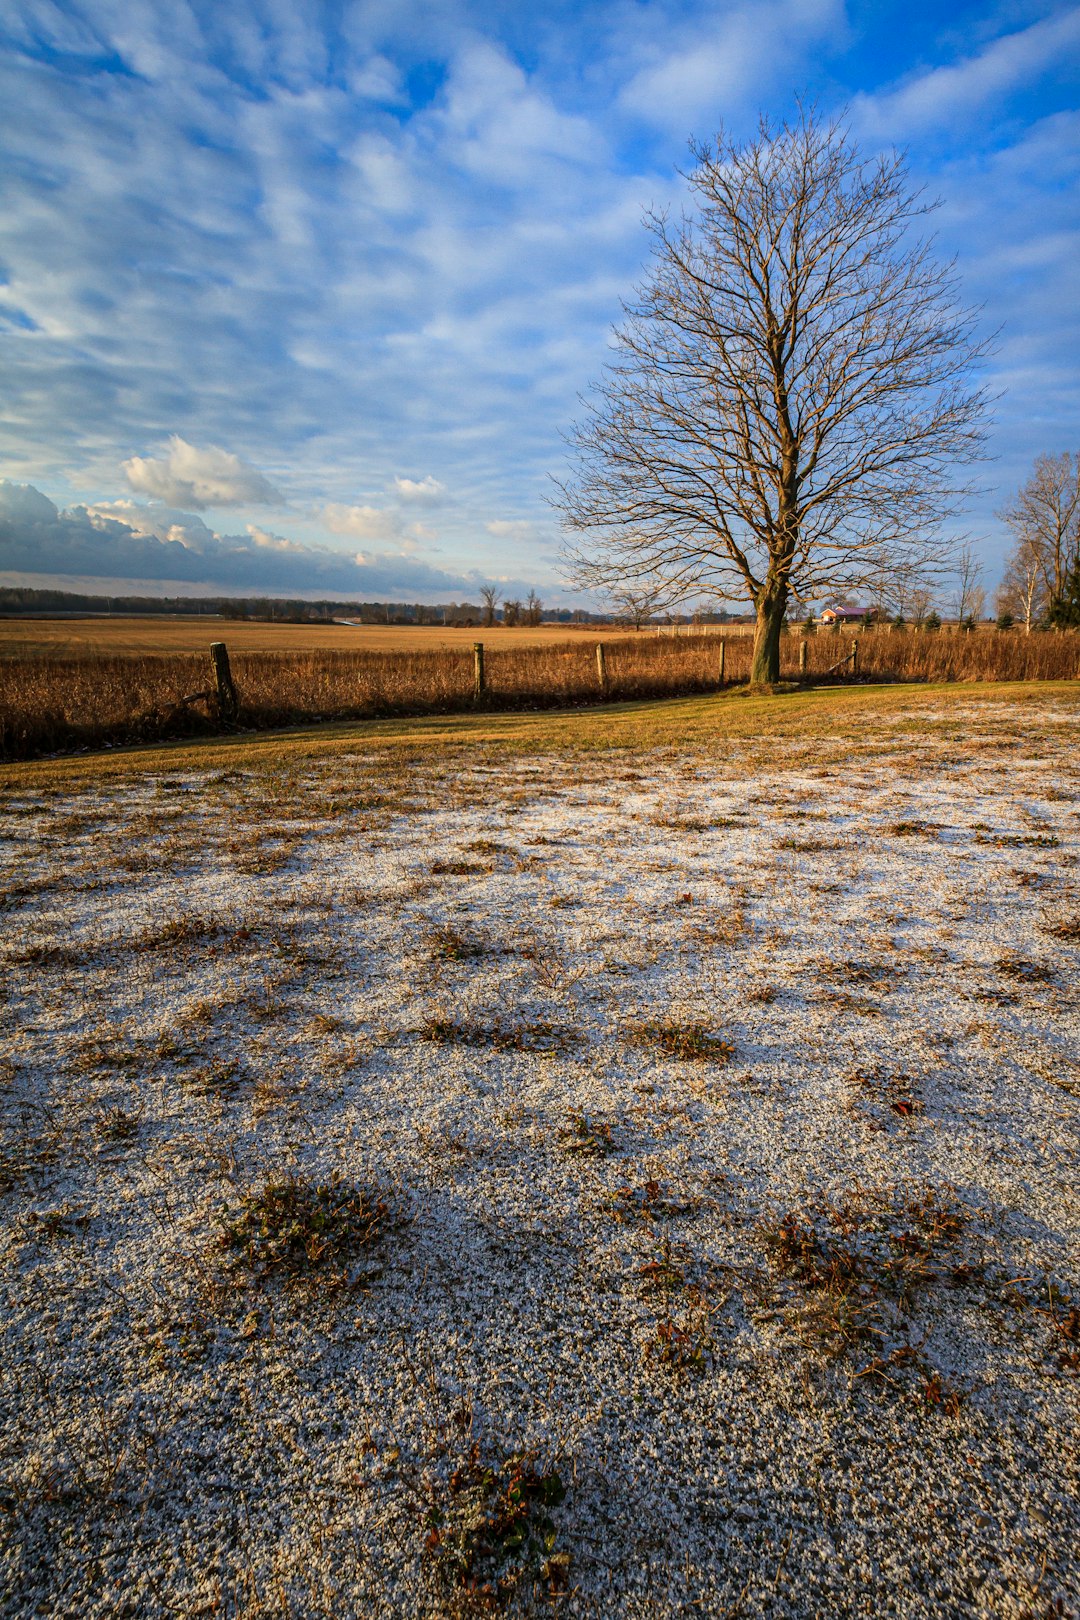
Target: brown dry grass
pixel 51 704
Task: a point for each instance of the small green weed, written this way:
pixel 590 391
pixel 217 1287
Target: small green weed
pixel 295 1228
pixel 586 1135
pixel 666 1271
pixel 685 1343
pixel 858 1267
pixel 452 944
pixel 690 1042
pixel 490 1529
pixel 532 1036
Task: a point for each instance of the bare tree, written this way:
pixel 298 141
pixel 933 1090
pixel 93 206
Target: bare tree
pixel 919 603
pixel 1044 516
pixel 790 390
pixel 969 598
pixel 489 595
pixel 511 612
pixel 534 609
pixel 1023 588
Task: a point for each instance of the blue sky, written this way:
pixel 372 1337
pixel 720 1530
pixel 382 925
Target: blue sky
pixel 301 297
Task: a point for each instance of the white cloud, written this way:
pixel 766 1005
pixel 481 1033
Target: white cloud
pixel 499 125
pixel 948 94
pixel 266 541
pixel 419 492
pixel 511 529
pixel 194 477
pixel 23 503
pixel 115 541
pixel 705 71
pixel 161 522
pixel 362 522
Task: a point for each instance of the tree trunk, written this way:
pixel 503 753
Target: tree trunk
pixel 765 668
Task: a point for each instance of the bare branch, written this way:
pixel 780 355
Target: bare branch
pixel 791 388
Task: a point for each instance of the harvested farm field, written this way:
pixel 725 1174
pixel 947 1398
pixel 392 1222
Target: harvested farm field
pixel 613 1164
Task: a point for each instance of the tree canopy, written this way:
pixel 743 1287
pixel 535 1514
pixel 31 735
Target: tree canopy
pixel 791 390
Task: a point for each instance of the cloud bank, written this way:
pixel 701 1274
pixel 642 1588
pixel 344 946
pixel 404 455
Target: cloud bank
pixel 120 540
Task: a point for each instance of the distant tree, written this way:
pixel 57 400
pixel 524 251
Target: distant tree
pixel 511 612
pixel 969 598
pixel 1005 621
pixel 932 621
pixel 534 609
pixel 1044 517
pixel 489 595
pixel 1023 593
pixel 790 390
pixel 919 602
pixel 809 625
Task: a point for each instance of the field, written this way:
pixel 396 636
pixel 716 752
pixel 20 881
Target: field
pixel 96 698
pixel 132 636
pixel 619 1163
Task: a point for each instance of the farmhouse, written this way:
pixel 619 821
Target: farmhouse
pixel 843 616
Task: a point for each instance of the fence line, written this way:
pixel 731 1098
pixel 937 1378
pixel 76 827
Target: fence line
pixel 53 704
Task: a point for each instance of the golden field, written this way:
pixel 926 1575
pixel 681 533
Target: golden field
pixel 134 635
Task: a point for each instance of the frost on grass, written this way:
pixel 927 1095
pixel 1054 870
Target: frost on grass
pixel 636 1184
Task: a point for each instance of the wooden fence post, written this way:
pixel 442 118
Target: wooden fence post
pixel 720 669
pixel 479 682
pixel 228 700
pixel 601 669
pixel 802 658
pixel 855 657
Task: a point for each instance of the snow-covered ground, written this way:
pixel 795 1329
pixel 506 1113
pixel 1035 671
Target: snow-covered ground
pixel 714 1114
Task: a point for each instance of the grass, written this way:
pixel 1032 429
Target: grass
pixel 591 1275
pixel 689 1042
pixel 509 1035
pixel 49 704
pixel 856 1270
pixel 833 719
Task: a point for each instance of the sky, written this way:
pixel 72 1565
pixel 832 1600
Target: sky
pixel 302 298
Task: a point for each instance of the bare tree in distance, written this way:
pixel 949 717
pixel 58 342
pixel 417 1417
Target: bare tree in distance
pixel 534 609
pixel 511 612
pixel 489 595
pixel 791 390
pixel 1044 517
pixel 969 598
pixel 1022 592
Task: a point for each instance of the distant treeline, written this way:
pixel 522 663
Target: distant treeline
pixel 19 601
pixel 16 599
